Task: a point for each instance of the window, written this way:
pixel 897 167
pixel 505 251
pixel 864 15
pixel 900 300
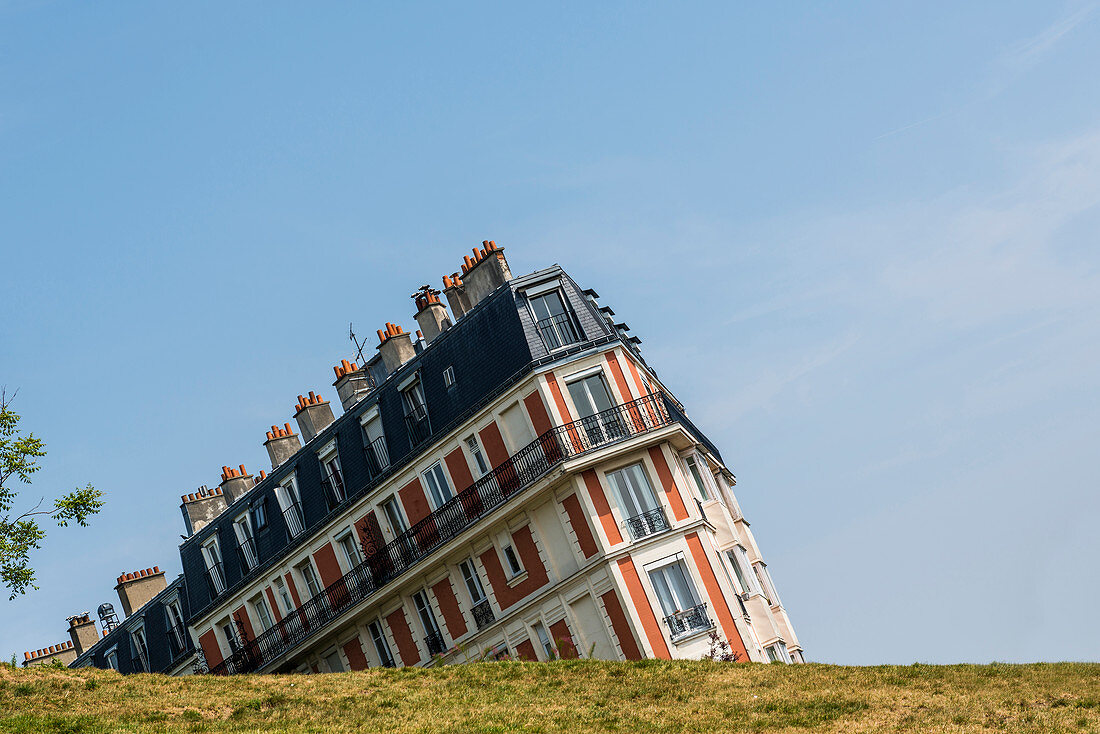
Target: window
pixel 514 567
pixel 259 515
pixel 332 660
pixel 394 516
pixel 766 585
pixel 385 657
pixel 246 545
pixel 310 577
pixel 433 638
pixel 112 659
pixel 350 547
pixel 592 399
pixel 692 462
pixel 554 321
pixel 473 583
pixel 229 629
pixel 263 613
pixel 284 596
pixel 212 556
pixel 637 501
pixel 778 653
pixel 174 616
pixel 333 479
pixel 374 446
pixel 438 488
pixel 291 505
pixel 449 377
pixel 416 413
pixel 138 638
pixel 481 466
pixel 544 640
pixel 739 560
pixel 674 589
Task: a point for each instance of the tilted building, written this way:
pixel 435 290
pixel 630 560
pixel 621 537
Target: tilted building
pixel 513 481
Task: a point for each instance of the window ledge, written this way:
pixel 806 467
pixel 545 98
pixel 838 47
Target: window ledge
pixel 519 577
pixel 689 636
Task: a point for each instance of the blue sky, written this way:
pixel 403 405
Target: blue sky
pixel 859 243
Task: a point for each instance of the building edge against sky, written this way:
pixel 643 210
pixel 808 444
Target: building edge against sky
pixel 513 480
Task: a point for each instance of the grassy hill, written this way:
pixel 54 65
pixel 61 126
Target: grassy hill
pixel 572 696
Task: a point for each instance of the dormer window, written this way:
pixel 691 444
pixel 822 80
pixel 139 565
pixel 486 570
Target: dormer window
pixel 555 321
pixel 416 412
pixel 332 477
pixel 246 544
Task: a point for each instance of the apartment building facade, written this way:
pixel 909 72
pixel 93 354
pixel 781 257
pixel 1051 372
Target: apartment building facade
pixel 514 481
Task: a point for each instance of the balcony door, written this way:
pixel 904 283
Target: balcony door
pixel 553 320
pixel 674 589
pixel 593 402
pixel 633 490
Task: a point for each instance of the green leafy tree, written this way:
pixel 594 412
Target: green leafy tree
pixel 20 534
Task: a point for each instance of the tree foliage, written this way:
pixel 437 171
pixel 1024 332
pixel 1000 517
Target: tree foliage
pixel 21 534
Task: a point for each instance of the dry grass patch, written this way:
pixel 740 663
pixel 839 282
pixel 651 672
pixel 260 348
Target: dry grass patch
pixel 574 696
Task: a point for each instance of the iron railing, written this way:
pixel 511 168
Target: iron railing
pixel 688 621
pixel 558 331
pixel 483 614
pixel 518 472
pixel 247 555
pixel 378 458
pixel 435 644
pixel 176 640
pixel 650 522
pixel 295 520
pixel 215 580
pixel 419 428
pixel 333 485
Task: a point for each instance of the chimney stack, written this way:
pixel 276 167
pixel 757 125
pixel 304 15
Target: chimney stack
pixel 431 314
pixel 352 383
pixel 281 444
pixel 235 483
pixel 313 414
pixel 455 291
pixel 200 508
pixel 83 632
pixel 65 653
pixel 137 588
pixel 395 346
pixel 486 271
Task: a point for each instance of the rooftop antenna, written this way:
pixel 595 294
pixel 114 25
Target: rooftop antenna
pixel 351 334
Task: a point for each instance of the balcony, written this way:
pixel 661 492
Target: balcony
pixel 435 644
pixel 558 331
pixel 215 580
pixel 688 622
pixel 419 427
pixel 483 614
pixel 510 478
pixel 295 520
pixel 378 458
pixel 648 523
pixel 246 554
pixel 333 485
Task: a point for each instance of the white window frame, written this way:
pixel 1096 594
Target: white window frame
pixel 422 602
pixel 399 511
pixel 743 570
pixel 512 562
pixel 287 495
pixel 111 658
pixel 472 581
pixel 479 463
pixel 283 595
pixel 242 529
pixel 329 456
pixel 211 550
pixel 696 475
pixel 433 476
pixel 378 637
pixel 624 490
pixel 449 376
pixel 173 613
pixel 675 597
pixel 313 576
pixel 543 636
pixel 141 645
pixel 354 558
pixel 263 612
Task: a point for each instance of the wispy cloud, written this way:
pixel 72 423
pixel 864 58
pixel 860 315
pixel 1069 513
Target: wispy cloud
pixel 1031 51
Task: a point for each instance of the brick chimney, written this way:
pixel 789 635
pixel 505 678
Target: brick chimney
pixel 395 346
pixel 431 314
pixel 65 652
pixel 235 483
pixel 486 271
pixel 137 588
pixel 281 444
pixel 83 632
pixel 313 414
pixel 201 507
pixel 352 383
pixel 455 291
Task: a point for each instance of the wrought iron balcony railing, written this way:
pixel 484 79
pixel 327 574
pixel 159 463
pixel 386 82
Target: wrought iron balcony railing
pixel 378 458
pixel 483 614
pixel 420 428
pixel 247 555
pixel 558 331
pixel 295 520
pixel 681 624
pixel 333 485
pixel 650 522
pixel 517 473
pixel 435 644
pixel 215 580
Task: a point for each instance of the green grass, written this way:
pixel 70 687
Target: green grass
pixel 573 696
